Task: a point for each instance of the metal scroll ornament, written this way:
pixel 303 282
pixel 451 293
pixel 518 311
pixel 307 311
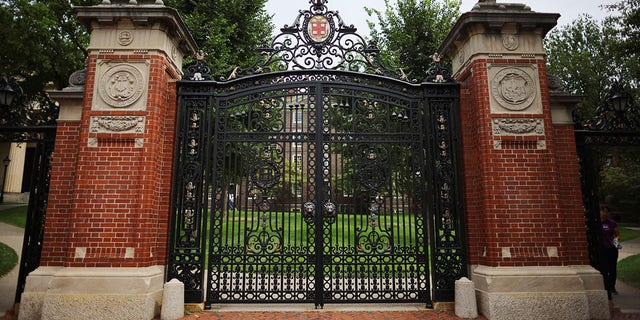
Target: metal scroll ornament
pixel 317 39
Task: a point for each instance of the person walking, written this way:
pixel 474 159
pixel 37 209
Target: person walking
pixel 610 237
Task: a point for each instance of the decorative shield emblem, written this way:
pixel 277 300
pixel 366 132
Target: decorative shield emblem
pixel 514 88
pixel 318 28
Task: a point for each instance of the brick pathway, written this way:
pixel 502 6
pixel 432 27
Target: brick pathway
pixel 333 315
pixel 352 315
pixel 327 315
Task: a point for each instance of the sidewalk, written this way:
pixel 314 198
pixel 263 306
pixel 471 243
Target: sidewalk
pixel 628 297
pixel 11 236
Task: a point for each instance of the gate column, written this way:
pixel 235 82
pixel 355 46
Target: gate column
pixel 526 230
pixel 105 234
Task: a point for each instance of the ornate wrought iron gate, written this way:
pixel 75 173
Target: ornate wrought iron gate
pixel 317 184
pixel 30 124
pixel 611 127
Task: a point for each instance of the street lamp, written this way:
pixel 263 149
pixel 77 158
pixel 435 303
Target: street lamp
pixel 617 113
pixel 618 98
pixel 4 177
pixel 9 91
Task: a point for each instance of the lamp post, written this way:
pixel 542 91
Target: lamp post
pixel 9 91
pixel 6 162
pixel 620 102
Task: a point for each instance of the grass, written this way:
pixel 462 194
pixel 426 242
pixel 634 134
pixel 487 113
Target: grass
pixel 628 270
pixel 283 240
pixel 628 234
pixel 8 259
pixel 15 216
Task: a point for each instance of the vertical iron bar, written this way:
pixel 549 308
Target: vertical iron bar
pixel 318 219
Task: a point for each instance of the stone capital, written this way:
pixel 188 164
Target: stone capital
pixel 137 29
pixel 497 30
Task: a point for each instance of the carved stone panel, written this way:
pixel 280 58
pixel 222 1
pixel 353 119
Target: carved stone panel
pixel 514 89
pixel 518 127
pixel 121 85
pixel 114 126
pixel 507 133
pixel 117 124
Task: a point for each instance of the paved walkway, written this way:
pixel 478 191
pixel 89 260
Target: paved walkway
pixel 11 236
pixel 328 315
pixel 628 298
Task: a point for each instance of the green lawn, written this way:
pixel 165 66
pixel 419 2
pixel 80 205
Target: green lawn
pixel 15 216
pixel 628 270
pixel 8 259
pixel 628 234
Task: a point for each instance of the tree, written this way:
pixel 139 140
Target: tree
pixel 580 54
pixel 227 31
pixel 589 56
pixel 627 29
pixel 43 43
pixel 411 31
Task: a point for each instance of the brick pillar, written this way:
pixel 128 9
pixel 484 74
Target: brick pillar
pixel 526 232
pixel 105 236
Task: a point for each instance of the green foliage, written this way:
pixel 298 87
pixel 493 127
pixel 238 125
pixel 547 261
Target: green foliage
pixel 628 270
pixel 8 259
pixel 620 176
pixel 15 216
pixel 626 23
pixel 42 42
pixel 227 31
pixel 411 31
pixel 589 56
pixel 580 54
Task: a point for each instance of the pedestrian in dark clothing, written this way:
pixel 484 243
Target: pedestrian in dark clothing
pixel 610 237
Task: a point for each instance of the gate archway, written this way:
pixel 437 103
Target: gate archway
pixel 326 180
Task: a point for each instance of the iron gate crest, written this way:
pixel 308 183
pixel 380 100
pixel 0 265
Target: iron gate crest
pixel 315 176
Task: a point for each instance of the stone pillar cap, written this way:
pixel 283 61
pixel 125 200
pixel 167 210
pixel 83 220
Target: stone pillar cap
pixel 492 5
pixel 493 17
pixel 140 13
pixel 132 2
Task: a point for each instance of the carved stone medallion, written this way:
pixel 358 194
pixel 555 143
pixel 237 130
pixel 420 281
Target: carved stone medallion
pixel 121 86
pixel 513 89
pixel 510 41
pixel 125 37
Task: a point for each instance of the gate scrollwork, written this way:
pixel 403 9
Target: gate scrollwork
pixel 332 177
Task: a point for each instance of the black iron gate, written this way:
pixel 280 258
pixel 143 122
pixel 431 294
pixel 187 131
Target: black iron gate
pixel 616 124
pixel 317 184
pixel 30 123
pixel 44 138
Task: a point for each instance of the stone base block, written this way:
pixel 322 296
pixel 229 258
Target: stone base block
pixel 443 306
pixel 562 293
pixel 193 307
pixel 54 293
